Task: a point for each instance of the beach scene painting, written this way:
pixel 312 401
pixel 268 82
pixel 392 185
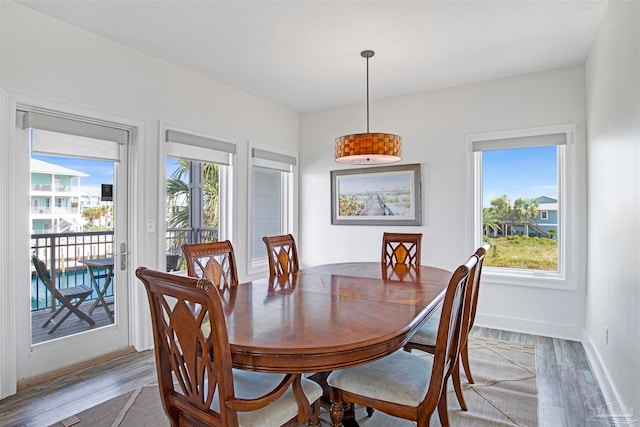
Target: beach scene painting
pixel 385 195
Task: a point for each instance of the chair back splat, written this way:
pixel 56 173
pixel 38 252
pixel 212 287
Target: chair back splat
pixel 401 248
pixel 197 384
pixel 282 254
pixel 214 260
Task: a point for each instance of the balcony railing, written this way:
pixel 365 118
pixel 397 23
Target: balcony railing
pixel 177 237
pixel 56 188
pixel 56 211
pixel 62 253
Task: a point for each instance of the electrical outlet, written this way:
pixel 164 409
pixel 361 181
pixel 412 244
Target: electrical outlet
pixel 606 335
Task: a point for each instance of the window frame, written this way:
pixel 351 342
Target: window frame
pixel 544 215
pixel 566 209
pixel 288 203
pixel 198 141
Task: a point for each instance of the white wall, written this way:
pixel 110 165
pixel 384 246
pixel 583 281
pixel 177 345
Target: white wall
pixel 433 126
pixel 44 58
pixel 613 113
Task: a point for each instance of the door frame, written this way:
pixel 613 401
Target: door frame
pixel 11 267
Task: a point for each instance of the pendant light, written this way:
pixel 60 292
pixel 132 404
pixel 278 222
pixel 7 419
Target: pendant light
pixel 368 148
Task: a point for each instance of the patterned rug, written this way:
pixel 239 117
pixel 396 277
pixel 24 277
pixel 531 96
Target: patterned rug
pixel 504 394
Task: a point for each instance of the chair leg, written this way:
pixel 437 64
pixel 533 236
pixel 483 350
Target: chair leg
pixel 336 414
pixel 53 316
pixel 71 308
pixel 442 410
pixel 457 386
pixel 314 421
pixel 76 310
pixel 464 355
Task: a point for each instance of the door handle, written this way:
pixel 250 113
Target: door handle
pixel 123 256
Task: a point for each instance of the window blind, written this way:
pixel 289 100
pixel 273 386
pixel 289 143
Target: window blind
pixel 72 136
pixel 198 148
pixel 271 160
pixel 520 142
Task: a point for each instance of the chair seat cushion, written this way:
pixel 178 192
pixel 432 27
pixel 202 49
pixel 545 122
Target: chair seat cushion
pixel 428 332
pixel 401 378
pixel 250 385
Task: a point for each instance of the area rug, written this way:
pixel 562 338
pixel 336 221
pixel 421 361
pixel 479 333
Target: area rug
pixel 504 394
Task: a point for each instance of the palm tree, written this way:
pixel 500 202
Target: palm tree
pixel 525 209
pixel 490 219
pixel 502 208
pixel 178 195
pixel 210 190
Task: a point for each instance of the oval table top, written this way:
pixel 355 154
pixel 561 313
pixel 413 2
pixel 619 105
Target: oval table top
pixel 329 316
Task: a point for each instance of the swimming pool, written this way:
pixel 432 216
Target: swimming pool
pixel 41 298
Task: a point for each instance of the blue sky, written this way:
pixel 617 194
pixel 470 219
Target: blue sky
pixel 523 172
pixel 172 165
pixel 99 171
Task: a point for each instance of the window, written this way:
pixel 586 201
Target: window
pixel 198 171
pixel 271 201
pixel 519 182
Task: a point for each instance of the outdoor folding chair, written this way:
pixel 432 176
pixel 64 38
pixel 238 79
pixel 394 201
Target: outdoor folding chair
pixel 69 298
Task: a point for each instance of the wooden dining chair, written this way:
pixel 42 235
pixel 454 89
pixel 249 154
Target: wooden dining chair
pixel 214 260
pixel 282 254
pixel 401 248
pixel 402 384
pixel 425 338
pixel 69 298
pixel 197 384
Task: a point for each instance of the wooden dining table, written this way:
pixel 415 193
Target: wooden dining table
pixel 330 316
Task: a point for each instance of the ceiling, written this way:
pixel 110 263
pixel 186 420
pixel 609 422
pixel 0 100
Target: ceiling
pixel 305 54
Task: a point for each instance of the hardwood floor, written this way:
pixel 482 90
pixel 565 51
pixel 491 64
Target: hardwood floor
pixel 564 382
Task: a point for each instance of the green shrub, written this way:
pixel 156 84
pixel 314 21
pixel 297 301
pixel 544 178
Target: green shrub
pixel 522 253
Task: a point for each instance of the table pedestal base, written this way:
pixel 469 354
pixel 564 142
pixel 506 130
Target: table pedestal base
pixel 349 417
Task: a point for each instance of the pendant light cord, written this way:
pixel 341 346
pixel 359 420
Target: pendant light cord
pixel 367 94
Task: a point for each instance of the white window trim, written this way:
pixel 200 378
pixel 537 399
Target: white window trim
pixel 566 210
pixel 544 215
pixel 225 198
pixel 289 212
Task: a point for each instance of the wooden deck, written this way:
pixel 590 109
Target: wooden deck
pixel 72 325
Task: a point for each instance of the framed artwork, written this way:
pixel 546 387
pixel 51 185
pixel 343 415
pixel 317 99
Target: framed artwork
pixel 383 195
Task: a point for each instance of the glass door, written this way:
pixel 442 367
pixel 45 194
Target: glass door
pixel 77 234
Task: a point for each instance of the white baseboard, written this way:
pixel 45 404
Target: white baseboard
pixel 599 370
pixel 527 326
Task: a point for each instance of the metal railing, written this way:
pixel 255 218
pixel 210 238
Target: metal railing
pixel 177 237
pixel 62 253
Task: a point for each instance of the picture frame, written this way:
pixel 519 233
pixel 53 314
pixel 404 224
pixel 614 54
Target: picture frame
pixel 381 195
